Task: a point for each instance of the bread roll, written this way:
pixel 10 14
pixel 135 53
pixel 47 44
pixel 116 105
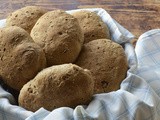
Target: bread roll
pixel 64 85
pixel 25 17
pixel 60 36
pixel 107 62
pixel 92 25
pixel 20 57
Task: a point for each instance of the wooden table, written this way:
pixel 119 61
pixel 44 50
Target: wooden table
pixel 138 16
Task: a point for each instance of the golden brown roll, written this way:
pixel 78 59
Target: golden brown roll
pixel 92 25
pixel 60 36
pixel 25 17
pixel 20 57
pixel 65 85
pixel 107 62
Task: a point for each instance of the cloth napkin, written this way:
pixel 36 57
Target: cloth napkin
pixel 137 99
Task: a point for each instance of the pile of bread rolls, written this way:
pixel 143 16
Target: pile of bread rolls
pixel 55 59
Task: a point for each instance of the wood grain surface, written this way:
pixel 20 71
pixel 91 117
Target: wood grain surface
pixel 138 16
